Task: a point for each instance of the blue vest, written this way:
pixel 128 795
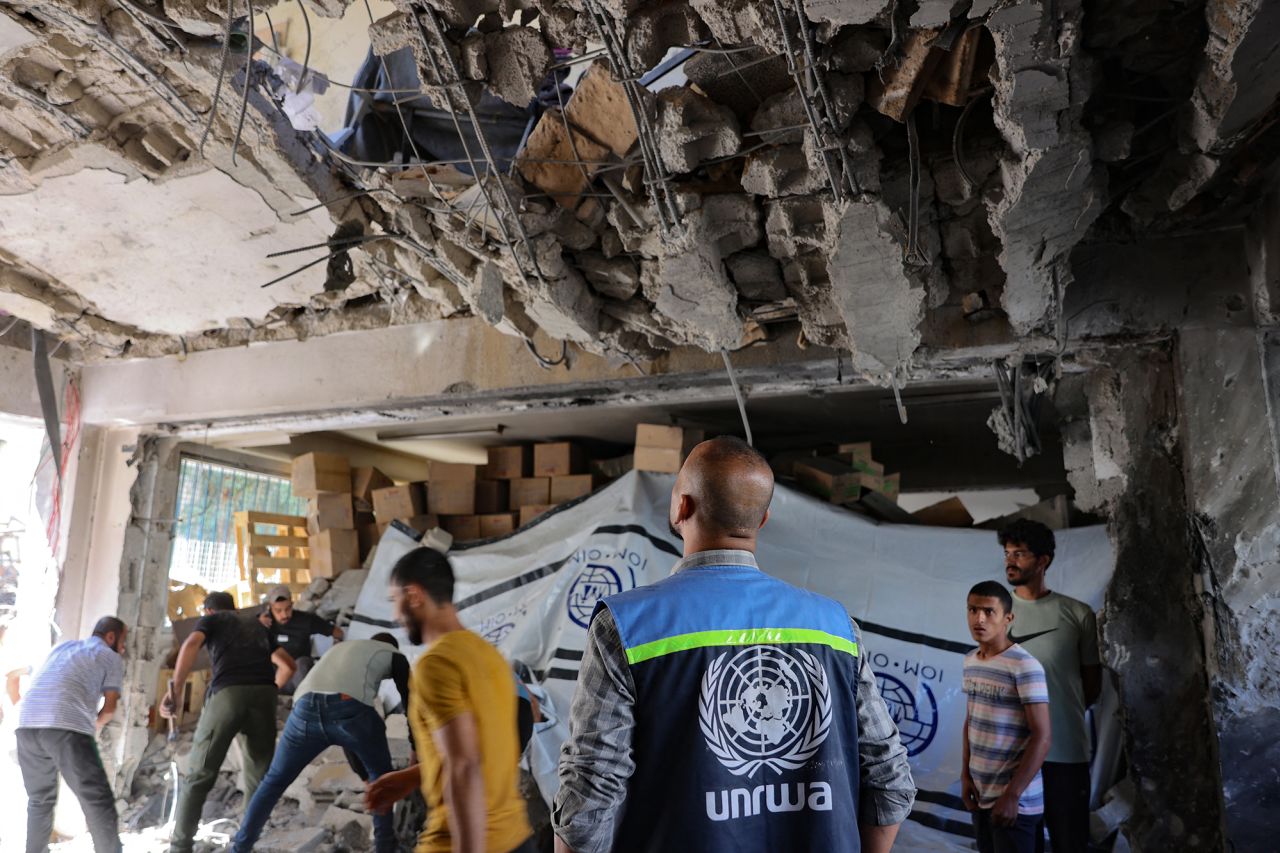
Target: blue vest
pixel 746 734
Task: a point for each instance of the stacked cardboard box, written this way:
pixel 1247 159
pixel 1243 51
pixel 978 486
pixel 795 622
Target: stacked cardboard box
pixel 663 448
pixel 333 545
pixel 850 477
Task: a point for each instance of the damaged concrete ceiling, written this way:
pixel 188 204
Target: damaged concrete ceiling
pixel 885 175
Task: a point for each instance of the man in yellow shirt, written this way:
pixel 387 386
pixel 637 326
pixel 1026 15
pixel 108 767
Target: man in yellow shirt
pixel 462 709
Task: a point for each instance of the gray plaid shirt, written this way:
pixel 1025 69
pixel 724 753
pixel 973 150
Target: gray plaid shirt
pixel 596 760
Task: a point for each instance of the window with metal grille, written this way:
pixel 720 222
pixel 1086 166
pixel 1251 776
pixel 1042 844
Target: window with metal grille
pixel 209 495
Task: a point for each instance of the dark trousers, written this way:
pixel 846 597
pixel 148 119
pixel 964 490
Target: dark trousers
pixel 1066 806
pixel 42 755
pixel 317 722
pixel 1019 838
pixel 304 666
pixel 246 711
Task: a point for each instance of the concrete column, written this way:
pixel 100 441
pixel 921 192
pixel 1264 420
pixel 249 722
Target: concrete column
pixel 1151 622
pixel 144 590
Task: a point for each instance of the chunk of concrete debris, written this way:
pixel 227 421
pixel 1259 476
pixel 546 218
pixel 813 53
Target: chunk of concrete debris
pixel 517 59
pixel 303 839
pixel 742 22
pixel 846 11
pixel 857 49
pixel 560 161
pixel 599 107
pixel 329 8
pixel 465 13
pixel 693 129
pixel 617 278
pixel 783 112
pixel 794 225
pixel 652 28
pixel 353 830
pixel 897 90
pixel 757 276
pixel 882 306
pixel 780 171
pixel 391 33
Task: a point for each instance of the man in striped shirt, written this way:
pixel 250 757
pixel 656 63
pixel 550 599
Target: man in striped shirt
pixel 58 720
pixel 1006 731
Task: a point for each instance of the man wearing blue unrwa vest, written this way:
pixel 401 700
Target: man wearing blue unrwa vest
pixel 721 709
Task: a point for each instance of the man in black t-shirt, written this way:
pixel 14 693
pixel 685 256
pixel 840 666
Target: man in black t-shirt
pixel 292 629
pixel 248 669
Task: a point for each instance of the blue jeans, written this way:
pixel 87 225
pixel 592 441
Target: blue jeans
pixel 318 721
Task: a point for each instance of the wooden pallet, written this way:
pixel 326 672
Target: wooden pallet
pixel 270 549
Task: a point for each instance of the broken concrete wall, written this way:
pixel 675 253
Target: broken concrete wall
pixel 143 601
pixel 1132 459
pixel 1230 403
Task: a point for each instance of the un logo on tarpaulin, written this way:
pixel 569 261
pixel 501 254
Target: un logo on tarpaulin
pixel 916 715
pixel 593 583
pixel 764 707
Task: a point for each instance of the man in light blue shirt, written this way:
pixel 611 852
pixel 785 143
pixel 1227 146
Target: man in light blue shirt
pixel 58 720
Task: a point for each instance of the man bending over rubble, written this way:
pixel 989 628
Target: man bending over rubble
pixel 57 721
pixel 333 706
pixel 241 702
pixel 722 710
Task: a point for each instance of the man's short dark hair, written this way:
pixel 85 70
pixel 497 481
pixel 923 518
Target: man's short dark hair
pixel 722 505
pixel 993 589
pixel 427 568
pixel 384 637
pixel 107 625
pixel 219 602
pixel 1034 536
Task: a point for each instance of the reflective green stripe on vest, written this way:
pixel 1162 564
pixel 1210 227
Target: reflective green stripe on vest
pixel 738 637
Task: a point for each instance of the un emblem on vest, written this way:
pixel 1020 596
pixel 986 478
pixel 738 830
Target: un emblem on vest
pixel 764 707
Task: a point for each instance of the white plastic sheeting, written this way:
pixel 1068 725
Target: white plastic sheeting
pixel 533 592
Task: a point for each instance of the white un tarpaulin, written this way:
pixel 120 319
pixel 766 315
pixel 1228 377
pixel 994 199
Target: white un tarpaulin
pixel 533 592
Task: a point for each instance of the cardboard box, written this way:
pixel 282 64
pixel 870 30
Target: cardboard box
pixel 855 451
pixel 572 486
pixel 890 486
pixel 654 435
pixel 558 459
pixel 333 552
pixel 529 513
pixel 510 463
pixel 365 481
pixel 331 511
pixel 451 497
pixel 314 473
pixel 451 472
pixel 946 513
pixel 492 496
pixel 462 527
pixel 529 490
pixel 831 479
pixel 498 524
pixel 399 502
pixel 665 460
pixel 419 523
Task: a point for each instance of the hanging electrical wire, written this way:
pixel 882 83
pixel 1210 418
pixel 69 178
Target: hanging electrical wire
pixel 737 394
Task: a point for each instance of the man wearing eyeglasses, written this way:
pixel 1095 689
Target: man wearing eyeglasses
pixel 1062 634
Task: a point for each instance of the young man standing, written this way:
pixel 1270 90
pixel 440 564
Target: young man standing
pixel 292 629
pixel 462 711
pixel 1006 729
pixel 58 719
pixel 1062 634
pixel 241 702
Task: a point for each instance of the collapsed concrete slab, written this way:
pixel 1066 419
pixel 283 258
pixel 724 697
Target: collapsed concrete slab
pixel 693 129
pixel 881 305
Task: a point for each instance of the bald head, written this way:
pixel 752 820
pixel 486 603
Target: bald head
pixel 729 486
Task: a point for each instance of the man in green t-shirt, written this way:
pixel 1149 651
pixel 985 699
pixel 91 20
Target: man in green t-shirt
pixel 1062 634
